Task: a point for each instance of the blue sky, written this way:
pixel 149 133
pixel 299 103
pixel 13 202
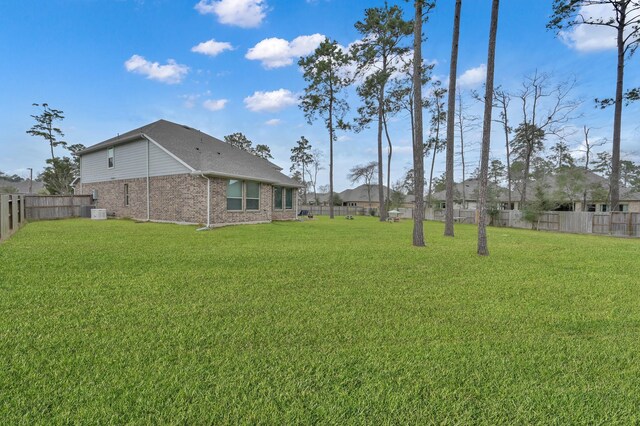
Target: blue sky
pixel 113 65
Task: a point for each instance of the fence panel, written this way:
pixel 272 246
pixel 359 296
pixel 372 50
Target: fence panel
pixel 11 214
pixel 601 223
pixel 39 207
pixel 576 222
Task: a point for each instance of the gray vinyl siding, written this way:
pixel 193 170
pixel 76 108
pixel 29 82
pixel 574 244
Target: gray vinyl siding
pixel 162 164
pixel 130 162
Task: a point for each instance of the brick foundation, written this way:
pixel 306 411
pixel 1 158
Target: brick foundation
pixel 181 199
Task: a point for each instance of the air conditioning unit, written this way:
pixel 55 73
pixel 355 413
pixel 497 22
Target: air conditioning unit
pixel 99 214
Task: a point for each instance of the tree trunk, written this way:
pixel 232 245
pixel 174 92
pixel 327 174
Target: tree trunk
pixel 418 152
pixel 331 160
pixel 461 127
pixel 382 209
pixel 304 182
pixel 453 71
pixel 434 152
pixel 483 249
pixel 506 141
pixel 390 154
pixel 617 117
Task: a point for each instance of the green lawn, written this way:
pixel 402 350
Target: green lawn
pixel 331 322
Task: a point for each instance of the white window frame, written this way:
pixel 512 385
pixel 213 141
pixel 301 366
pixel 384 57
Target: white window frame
pixel 246 196
pixel 284 199
pixel 111 157
pixel 281 206
pixel 241 198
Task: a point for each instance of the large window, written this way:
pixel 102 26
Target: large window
pixel 289 199
pixel 252 201
pixel 111 157
pixel 277 197
pixel 234 195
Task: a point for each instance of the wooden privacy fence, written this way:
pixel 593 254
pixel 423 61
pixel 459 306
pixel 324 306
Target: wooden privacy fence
pixel 12 214
pixel 620 224
pixel 38 207
pixel 337 210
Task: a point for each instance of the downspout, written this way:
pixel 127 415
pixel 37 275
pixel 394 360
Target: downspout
pixel 148 188
pixel 208 203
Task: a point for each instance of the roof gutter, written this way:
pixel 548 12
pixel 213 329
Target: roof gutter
pixel 242 177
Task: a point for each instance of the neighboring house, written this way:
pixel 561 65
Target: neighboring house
pixel 465 196
pixel 574 188
pixel 359 197
pixel 22 187
pixel 169 172
pixel 569 191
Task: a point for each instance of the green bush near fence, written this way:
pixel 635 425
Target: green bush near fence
pixel 329 322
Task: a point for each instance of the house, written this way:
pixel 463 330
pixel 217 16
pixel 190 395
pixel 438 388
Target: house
pixel 569 191
pixel 465 195
pixel 574 188
pixel 360 196
pixel 169 172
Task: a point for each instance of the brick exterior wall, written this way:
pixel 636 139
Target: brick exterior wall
pixel 182 199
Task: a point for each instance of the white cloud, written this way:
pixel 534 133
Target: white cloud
pixel 190 100
pixel 277 52
pixel 241 13
pixel 473 77
pixel 273 122
pixel 171 73
pixel 214 104
pixel 270 101
pixel 212 47
pixel 591 38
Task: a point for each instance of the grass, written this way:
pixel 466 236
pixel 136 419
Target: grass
pixel 332 322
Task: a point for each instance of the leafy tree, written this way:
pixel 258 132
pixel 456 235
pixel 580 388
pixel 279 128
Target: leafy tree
pixel 377 56
pixel 45 126
pixel 483 249
pixel 364 173
pixel 561 155
pixel 497 171
pixel 626 23
pixel 327 77
pixel 58 175
pixel 451 110
pixel 571 183
pixel 240 141
pixel 12 178
pixel 527 143
pixel 397 196
pixel 301 159
pixel 502 99
pixel 438 119
pixel 440 183
pixel 312 171
pixel 8 189
pixel 534 210
pixel 262 151
pixel 407 183
pixel 546 110
pixel 629 173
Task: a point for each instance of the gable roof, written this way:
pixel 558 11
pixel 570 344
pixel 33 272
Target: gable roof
pixel 202 153
pixel 361 194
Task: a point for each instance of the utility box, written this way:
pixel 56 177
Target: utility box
pixel 99 214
